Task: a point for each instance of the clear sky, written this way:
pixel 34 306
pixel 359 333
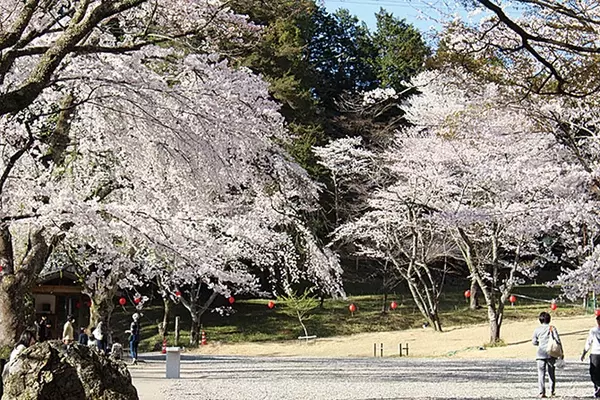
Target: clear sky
pixel 414 11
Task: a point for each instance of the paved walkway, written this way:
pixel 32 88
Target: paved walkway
pixel 268 378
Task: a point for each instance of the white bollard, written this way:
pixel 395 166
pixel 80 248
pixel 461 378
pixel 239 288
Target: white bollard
pixel 173 362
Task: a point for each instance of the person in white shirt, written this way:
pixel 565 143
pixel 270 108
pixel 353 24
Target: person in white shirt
pixel 592 344
pixel 68 335
pixel 545 362
pixel 116 351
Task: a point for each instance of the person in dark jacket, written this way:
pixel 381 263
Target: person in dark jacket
pixel 134 337
pixel 43 329
pixel 83 338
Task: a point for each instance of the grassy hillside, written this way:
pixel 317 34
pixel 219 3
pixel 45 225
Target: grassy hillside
pixel 254 321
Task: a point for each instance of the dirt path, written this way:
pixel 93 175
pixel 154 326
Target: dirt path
pixel 463 342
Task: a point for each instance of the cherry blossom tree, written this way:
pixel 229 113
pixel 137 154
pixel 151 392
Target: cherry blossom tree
pixel 477 168
pixel 503 182
pixel 111 139
pixel 544 47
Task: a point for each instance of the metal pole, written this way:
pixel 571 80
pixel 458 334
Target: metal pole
pixel 381 349
pixel 400 349
pixel 177 331
pixel 406 348
pixel 374 349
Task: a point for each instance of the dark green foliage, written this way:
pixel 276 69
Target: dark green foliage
pixel 401 51
pixel 340 50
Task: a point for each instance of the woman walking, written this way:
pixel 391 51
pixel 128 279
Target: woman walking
pixel 545 362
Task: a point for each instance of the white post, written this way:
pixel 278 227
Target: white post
pixel 177 330
pixel 173 362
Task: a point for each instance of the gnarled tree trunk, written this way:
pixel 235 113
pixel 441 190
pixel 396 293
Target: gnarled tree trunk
pixel 102 307
pixel 17 280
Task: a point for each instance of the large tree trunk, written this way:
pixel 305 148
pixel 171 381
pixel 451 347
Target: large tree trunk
pixel 196 310
pixel 101 309
pixel 474 299
pixel 163 327
pixel 195 330
pixel 495 319
pixel 17 281
pixel 12 310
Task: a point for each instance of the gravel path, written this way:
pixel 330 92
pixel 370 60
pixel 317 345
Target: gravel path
pixel 266 378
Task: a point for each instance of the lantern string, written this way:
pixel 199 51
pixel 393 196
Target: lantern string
pixel 534 298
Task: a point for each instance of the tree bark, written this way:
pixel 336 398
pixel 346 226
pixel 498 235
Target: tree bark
pixel 495 324
pixel 163 327
pixel 101 309
pixel 17 281
pixel 195 330
pixel 12 310
pixel 474 299
pixel 196 311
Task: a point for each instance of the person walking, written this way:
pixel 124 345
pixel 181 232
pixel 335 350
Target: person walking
pixel 134 337
pixel 545 362
pixel 68 334
pixel 592 344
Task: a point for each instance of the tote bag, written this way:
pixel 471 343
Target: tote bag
pixel 554 349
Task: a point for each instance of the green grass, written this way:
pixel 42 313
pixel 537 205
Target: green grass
pixel 255 322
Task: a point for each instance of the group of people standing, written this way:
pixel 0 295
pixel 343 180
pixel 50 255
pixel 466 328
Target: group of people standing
pixel 98 338
pixel 546 363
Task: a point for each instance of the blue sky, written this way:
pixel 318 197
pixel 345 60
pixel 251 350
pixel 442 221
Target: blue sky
pixel 413 11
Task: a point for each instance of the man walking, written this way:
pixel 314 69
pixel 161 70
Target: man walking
pixel 592 344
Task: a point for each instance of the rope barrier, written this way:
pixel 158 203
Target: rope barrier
pixel 534 298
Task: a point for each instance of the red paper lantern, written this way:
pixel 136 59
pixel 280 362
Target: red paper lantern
pixel 77 305
pixel 597 312
pixel 231 300
pixel 271 304
pixel 1 268
pixel 178 293
pixel 467 294
pixel 512 298
pixel 122 301
pixel 137 300
pixel 89 303
pixel 553 306
pixel 352 308
pixel 393 305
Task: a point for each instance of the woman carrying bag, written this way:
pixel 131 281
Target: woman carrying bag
pixel 549 349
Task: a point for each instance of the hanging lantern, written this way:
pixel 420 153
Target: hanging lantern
pixel 1 268
pixel 512 299
pixel 393 305
pixel 89 303
pixel 122 301
pixel 137 300
pixel 352 308
pixel 77 305
pixel 271 304
pixel 553 306
pixel 178 293
pixel 597 312
pixel 467 294
pixel 231 300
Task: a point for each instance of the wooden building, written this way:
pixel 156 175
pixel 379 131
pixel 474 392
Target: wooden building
pixel 57 295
